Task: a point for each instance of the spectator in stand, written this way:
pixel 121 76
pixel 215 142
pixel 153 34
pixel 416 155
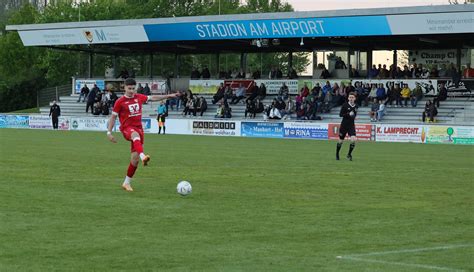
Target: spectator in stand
pixel 248 75
pixel 347 90
pixel 161 117
pixel 259 108
pixel 381 92
pixel 91 100
pixel 146 90
pixel 455 75
pixel 304 90
pixel 279 73
pixel 325 73
pixel 353 73
pixel 84 93
pixel 195 74
pixel 468 72
pixel 284 91
pixel 373 110
pixel 205 73
pixel 219 94
pixel 391 96
pixel 416 95
pixel 443 72
pixel 256 74
pixel 406 72
pixel 392 71
pixel 97 108
pixel 234 73
pixel 327 101
pixel 416 70
pixel 326 88
pixel 405 94
pixel 381 111
pixel 373 91
pixel 262 91
pixel 220 111
pixel 399 73
pixel 340 64
pixel 430 111
pixel 425 73
pixel 201 105
pixel 254 90
pixel 442 95
pixel 386 72
pixel 239 94
pixel 241 74
pixel 123 74
pixel 373 72
pixel 272 74
pixel 299 100
pixel 274 113
pixel 113 98
pixel 292 73
pixel 249 109
pixel 54 113
pixel 140 88
pixel 434 71
pixel 362 95
pixel 190 107
pixel 397 91
pixel 281 106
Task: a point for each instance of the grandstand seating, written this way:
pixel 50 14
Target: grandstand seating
pixel 455 110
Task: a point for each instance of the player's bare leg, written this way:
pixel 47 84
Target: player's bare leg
pixel 351 147
pixel 137 144
pixel 132 167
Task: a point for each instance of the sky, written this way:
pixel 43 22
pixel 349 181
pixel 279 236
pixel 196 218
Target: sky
pixel 313 5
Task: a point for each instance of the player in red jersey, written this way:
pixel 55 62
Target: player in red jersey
pixel 128 108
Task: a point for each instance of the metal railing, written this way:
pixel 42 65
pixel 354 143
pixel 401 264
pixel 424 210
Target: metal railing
pixel 44 96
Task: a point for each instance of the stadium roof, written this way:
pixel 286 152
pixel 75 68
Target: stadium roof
pixel 447 26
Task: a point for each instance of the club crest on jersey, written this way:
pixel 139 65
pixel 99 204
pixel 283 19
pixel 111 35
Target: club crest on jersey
pixel 134 108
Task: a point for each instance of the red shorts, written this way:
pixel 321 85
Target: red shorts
pixel 127 134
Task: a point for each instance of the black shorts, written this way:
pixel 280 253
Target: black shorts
pixel 346 129
pixel 162 117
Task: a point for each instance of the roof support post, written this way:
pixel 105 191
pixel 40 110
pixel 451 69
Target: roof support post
pixel 395 59
pixel 151 65
pixel 243 61
pixel 218 64
pixel 458 59
pixel 177 60
pixel 290 61
pixel 114 64
pixel 369 59
pixel 91 65
pixel 315 63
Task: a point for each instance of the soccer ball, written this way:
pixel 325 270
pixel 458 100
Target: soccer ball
pixel 184 188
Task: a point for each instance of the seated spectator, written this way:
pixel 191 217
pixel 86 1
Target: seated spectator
pixel 281 106
pixel 326 102
pixel 416 95
pixel 259 108
pixel 250 109
pixel 373 92
pixel 241 74
pixel 97 110
pixel 468 72
pixel 219 94
pixel 340 95
pixel 442 95
pixel 373 110
pixel 190 107
pixel 430 111
pixel 279 74
pixel 381 111
pixel 256 74
pixel 201 105
pixel 405 94
pixel 239 94
pixel 195 74
pixel 253 92
pixel 397 95
pixel 113 98
pixel 299 100
pixel 305 90
pixel 84 92
pixel 362 95
pixel 380 92
pixel 406 72
pixel 227 110
pixel 272 73
pixel 434 71
pixel 248 75
pixel 220 111
pixel 274 113
pixel 425 73
pixel 284 92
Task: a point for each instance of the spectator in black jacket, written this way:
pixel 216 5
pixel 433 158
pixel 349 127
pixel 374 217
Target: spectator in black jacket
pixel 54 113
pixel 91 100
pixel 84 92
pixel 442 95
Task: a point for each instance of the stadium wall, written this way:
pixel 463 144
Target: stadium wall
pixel 428 134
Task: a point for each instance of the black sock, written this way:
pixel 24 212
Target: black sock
pixel 339 145
pixel 164 129
pixel 159 130
pixel 351 147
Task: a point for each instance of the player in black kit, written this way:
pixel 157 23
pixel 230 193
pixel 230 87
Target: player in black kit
pixel 348 114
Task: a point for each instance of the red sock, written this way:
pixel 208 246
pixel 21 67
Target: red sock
pixel 131 170
pixel 137 145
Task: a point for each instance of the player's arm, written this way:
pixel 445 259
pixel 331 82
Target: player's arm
pixel 162 97
pixel 343 112
pixel 110 126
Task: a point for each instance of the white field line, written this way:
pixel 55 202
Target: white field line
pixel 357 257
pixel 431 267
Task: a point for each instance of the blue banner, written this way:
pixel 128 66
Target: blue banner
pixel 14 121
pixel 306 131
pixel 263 129
pixel 283 28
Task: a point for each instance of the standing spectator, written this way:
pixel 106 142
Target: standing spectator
pixel 91 100
pixel 405 94
pixel 161 118
pixel 292 73
pixel 250 109
pixel 195 73
pixel 262 91
pixel 140 88
pixel 373 72
pixel 381 111
pixel 443 73
pixel 325 73
pixel 84 93
pixel 54 113
pixel 416 95
pixel 279 73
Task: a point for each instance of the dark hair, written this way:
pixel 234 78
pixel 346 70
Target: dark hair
pixel 352 93
pixel 130 81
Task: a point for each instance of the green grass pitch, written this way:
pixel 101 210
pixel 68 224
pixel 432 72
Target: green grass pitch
pixel 257 205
